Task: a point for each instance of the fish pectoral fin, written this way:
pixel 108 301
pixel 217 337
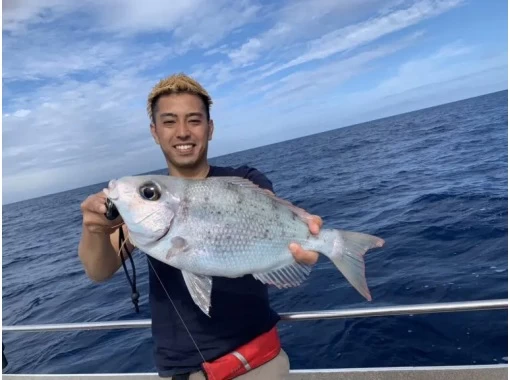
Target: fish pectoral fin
pixel 285 277
pixel 199 287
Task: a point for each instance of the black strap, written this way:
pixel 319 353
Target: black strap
pixel 111 214
pixel 134 293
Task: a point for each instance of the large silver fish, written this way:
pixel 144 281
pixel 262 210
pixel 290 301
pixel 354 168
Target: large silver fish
pixel 229 227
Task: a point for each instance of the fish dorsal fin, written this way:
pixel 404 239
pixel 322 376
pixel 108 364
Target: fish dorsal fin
pixel 287 276
pixel 199 287
pixel 243 182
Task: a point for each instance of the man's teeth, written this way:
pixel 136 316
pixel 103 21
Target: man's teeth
pixel 184 147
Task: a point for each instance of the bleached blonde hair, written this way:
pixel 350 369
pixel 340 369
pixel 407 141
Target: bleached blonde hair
pixel 177 84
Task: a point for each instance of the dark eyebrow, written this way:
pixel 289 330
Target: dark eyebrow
pixel 195 114
pixel 187 115
pixel 167 114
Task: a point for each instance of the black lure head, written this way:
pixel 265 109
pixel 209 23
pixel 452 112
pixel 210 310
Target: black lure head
pixel 111 211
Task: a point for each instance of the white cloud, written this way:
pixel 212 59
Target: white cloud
pixel 74 110
pixel 292 25
pixel 304 31
pixel 455 71
pixel 298 20
pixel 247 53
pixel 21 113
pixel 52 62
pixel 75 133
pixel 314 100
pixel 18 15
pixel 433 69
pixel 191 23
pixel 304 85
pixel 359 34
pixel 197 22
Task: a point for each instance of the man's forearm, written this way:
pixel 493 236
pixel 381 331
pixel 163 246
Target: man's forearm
pixel 97 255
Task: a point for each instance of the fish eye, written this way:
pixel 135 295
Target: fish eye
pixel 150 191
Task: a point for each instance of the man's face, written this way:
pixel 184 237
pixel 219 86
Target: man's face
pixel 182 130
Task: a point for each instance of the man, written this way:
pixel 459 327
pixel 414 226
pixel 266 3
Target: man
pixel 187 342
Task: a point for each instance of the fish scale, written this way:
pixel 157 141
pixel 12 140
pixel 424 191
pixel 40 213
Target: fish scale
pixel 232 228
pixel 229 227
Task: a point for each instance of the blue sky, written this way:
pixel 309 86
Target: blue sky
pixel 76 74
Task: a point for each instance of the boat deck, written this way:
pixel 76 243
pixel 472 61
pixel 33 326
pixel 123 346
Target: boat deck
pixel 481 372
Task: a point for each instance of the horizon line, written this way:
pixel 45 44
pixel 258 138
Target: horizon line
pixel 273 143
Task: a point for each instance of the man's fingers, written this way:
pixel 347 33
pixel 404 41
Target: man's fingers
pixel 100 208
pixel 318 220
pixel 314 227
pixel 315 224
pixel 95 203
pixel 305 257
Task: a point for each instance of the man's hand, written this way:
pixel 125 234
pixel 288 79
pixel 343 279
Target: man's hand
pixel 302 256
pixel 93 209
pixel 307 257
pixel 99 248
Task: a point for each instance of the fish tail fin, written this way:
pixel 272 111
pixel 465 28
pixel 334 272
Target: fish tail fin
pixel 346 250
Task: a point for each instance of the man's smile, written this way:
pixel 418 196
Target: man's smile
pixel 184 148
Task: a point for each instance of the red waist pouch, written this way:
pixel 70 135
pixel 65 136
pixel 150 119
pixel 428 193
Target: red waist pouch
pixel 251 355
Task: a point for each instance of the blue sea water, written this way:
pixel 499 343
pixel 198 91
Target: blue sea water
pixel 432 183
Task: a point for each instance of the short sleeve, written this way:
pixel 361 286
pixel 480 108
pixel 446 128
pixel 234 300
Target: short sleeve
pixel 258 178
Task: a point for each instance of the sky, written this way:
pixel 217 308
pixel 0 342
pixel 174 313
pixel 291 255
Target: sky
pixel 76 74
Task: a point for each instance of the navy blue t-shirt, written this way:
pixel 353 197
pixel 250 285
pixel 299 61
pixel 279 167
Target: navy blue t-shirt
pixel 240 309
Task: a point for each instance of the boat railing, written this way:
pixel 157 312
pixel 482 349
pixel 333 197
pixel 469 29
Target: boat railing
pixel 410 310
pixel 445 307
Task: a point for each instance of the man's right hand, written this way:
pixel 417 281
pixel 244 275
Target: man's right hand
pixel 94 209
pixel 99 244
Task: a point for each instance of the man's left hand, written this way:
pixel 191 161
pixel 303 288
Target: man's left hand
pixel 301 255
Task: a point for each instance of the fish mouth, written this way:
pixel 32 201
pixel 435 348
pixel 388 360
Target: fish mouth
pixel 112 191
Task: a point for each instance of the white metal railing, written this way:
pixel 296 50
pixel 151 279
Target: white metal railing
pixel 446 307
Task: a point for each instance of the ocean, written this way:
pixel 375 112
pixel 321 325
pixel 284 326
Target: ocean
pixel 432 183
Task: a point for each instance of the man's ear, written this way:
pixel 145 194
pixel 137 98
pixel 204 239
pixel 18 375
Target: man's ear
pixel 211 129
pixel 153 133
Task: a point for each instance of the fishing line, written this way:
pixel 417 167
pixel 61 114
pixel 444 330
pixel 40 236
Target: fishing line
pixel 177 311
pixel 111 214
